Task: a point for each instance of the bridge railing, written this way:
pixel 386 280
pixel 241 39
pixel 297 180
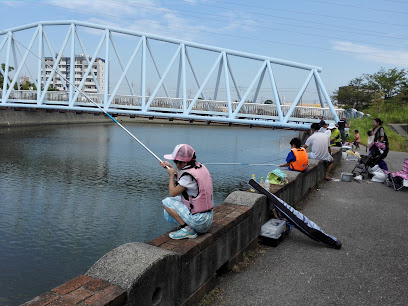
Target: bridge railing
pixel 175 105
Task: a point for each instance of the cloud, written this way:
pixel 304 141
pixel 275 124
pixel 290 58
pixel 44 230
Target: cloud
pixel 152 17
pixel 104 8
pixel 147 17
pixel 369 53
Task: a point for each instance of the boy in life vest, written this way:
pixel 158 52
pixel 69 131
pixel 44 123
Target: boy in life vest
pixel 191 198
pixel 297 159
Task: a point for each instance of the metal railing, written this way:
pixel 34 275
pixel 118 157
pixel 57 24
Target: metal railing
pixel 202 107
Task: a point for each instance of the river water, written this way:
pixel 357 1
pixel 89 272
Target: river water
pixel 70 194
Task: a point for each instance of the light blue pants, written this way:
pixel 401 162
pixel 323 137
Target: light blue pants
pixel 201 222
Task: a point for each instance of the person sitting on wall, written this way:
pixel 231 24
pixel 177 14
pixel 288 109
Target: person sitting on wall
pixel 320 145
pixel 297 159
pixel 324 129
pixel 191 200
pixel 335 137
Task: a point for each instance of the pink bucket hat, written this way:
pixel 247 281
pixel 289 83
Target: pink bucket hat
pixel 182 152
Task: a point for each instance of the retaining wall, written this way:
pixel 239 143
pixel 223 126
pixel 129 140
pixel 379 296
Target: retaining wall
pixel 14 117
pixel 11 117
pixel 179 272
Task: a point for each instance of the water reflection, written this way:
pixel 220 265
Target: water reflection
pixel 70 194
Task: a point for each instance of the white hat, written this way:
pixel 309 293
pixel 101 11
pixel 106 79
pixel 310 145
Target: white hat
pixel 331 126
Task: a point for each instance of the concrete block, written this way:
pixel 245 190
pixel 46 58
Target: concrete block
pixel 149 274
pixel 243 198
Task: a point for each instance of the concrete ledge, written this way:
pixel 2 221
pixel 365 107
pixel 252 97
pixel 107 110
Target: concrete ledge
pixel 82 290
pixel 180 272
pixel 148 274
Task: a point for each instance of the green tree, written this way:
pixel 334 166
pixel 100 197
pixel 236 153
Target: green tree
pixel 378 101
pixel 367 90
pixel 390 82
pixel 356 95
pixel 52 88
pixel 3 67
pixel 403 96
pixel 28 86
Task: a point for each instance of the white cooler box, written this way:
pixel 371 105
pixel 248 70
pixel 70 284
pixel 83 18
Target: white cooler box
pixel 272 232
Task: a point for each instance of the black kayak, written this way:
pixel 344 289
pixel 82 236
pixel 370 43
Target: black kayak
pixel 296 219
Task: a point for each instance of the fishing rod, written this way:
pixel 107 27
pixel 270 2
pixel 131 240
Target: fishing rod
pixel 87 97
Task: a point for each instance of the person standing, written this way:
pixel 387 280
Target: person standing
pixel 321 120
pixel 191 201
pixel 342 124
pixel 379 135
pixel 357 140
pixel 370 138
pixel 320 145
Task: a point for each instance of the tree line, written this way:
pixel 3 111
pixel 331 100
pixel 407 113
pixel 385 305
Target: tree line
pixel 383 89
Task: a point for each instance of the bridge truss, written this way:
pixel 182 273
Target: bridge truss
pixel 149 75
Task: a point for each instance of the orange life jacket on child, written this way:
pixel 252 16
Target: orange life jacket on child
pixel 302 160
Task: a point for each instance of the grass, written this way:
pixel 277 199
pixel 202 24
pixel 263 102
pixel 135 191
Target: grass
pixel 390 113
pixel 396 141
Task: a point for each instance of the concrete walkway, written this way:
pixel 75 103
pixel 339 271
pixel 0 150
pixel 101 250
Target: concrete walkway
pixel 371 268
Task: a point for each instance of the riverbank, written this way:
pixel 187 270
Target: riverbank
pixel 14 117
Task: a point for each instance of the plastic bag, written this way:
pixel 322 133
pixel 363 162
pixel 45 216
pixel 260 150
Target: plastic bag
pixel 378 174
pixel 277 177
pixel 379 177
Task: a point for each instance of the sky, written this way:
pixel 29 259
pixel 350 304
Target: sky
pixel 345 38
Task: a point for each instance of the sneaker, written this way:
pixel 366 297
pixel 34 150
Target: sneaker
pixel 183 233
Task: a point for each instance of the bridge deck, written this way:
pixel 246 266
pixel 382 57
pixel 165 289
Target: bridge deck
pixel 260 114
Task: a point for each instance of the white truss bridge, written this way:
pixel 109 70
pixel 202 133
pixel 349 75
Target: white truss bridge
pixel 174 78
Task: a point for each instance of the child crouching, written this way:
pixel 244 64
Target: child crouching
pixel 191 199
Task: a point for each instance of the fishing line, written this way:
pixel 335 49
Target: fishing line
pixel 86 96
pixel 240 164
pixel 247 164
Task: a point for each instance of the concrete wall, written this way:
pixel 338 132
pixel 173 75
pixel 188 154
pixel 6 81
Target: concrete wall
pixel 10 117
pixel 180 272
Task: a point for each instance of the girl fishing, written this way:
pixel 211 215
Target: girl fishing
pixel 191 199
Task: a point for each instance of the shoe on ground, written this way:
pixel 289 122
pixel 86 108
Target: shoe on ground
pixel 183 233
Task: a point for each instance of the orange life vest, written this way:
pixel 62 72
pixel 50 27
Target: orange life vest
pixel 302 160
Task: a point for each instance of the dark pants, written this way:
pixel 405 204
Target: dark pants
pixel 343 135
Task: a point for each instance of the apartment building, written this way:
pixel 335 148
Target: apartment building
pixel 81 65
